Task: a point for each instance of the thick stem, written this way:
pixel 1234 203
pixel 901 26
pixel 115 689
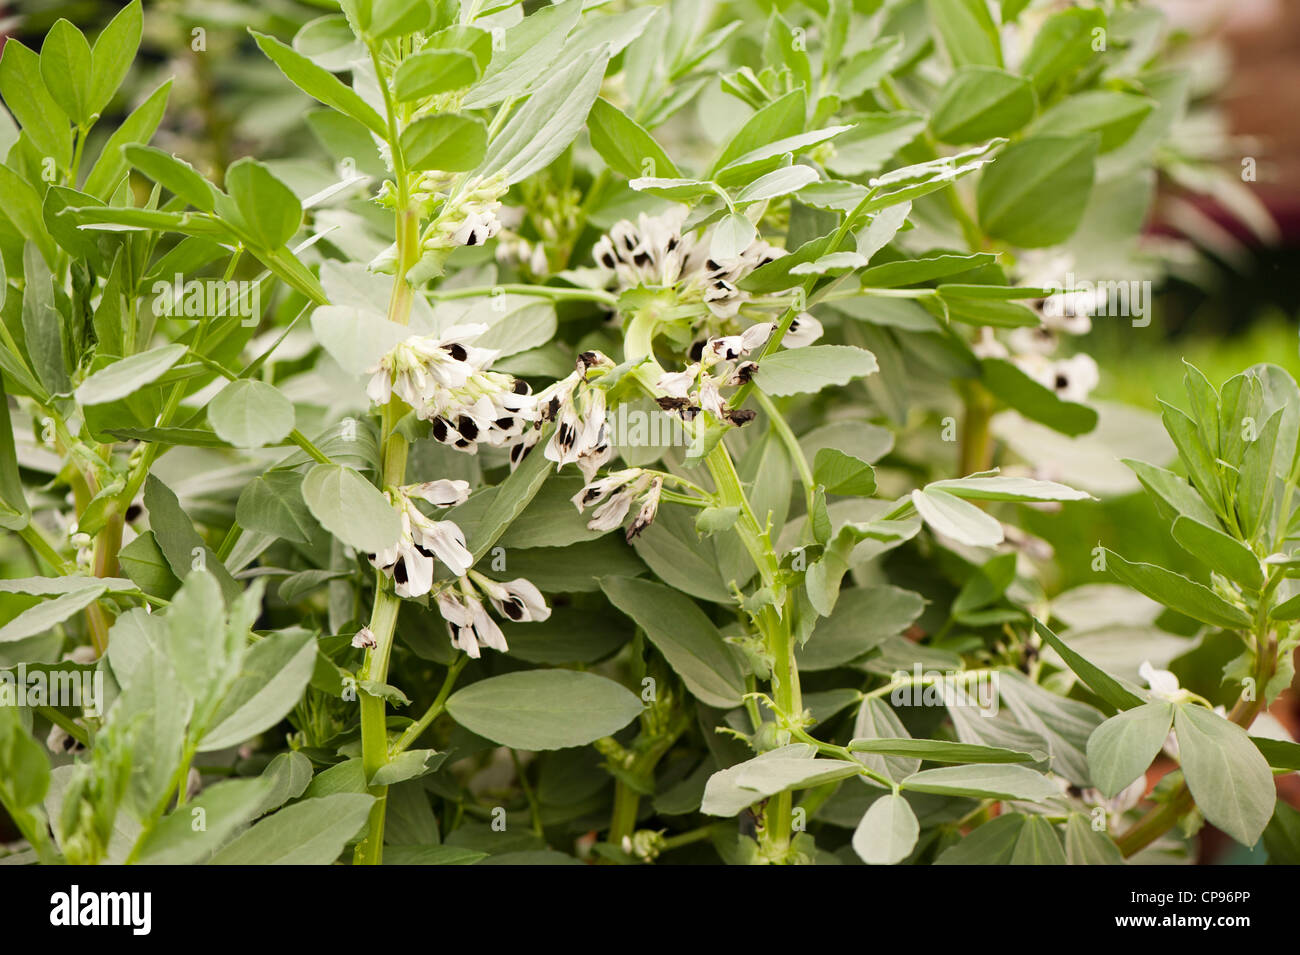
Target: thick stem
pixel 627 803
pixel 976 433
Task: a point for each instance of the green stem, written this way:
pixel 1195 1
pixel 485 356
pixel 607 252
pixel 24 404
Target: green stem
pixel 536 291
pixel 416 729
pixel 627 803
pixel 791 442
pixel 534 808
pixel 977 433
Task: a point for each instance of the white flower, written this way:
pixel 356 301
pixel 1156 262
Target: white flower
pixel 578 409
pixel 469 625
pixel 518 600
pixel 441 493
pixel 677 384
pixel 1123 801
pixel 650 251
pixel 988 345
pixel 476 228
pixel 410 561
pixel 733 346
pixel 804 330
pixel 1163 683
pixel 1071 378
pixel 1039 339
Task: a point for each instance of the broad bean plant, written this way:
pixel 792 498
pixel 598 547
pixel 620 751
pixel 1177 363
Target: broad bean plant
pixel 618 432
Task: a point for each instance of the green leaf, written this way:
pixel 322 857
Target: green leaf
pixel 998 488
pixel 1122 748
pixel 544 126
pixel 1172 494
pixel 1036 192
pixel 916 271
pixel 506 502
pixel 1038 844
pixel 222 808
pixel 981 102
pixel 319 83
pixel 959 520
pixel 272 678
pixel 1178 593
pixel 113 53
pixel 1227 555
pixel 887 832
pixel 409 764
pixel 994 781
pixel 842 473
pixel 866 68
pixel 1114 115
pixel 106 175
pixel 394 18
pixel 446 141
pixel 863 618
pixel 1282 837
pixel 177 538
pixel 967 30
pixel 66 69
pixel 1061 45
pixel 40 618
pixel 779 182
pixel 50 586
pixel 268 211
pixel 684 635
pixel 1086 846
pixel 625 146
pixel 1228 777
pixel 430 72
pixel 15 513
pixel 1032 400
pixel 527 51
pixel 43 121
pixel 272 504
pixel 943 751
pixel 43 324
pixel 251 414
pixel 1099 681
pixel 777 121
pixel 173 174
pixel 993 843
pixel 350 508
pixel 311 832
pixel 544 709
pixel 807 370
pixel 197 641
pixel 128 375
pixel 732 235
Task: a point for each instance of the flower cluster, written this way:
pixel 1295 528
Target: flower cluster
pixel 1032 349
pixel 654 251
pixel 446 382
pixel 613 496
pixel 468 622
pixel 467 217
pixel 577 407
pixel 409 562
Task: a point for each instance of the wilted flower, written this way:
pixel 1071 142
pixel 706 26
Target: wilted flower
pixel 622 488
pixel 364 639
